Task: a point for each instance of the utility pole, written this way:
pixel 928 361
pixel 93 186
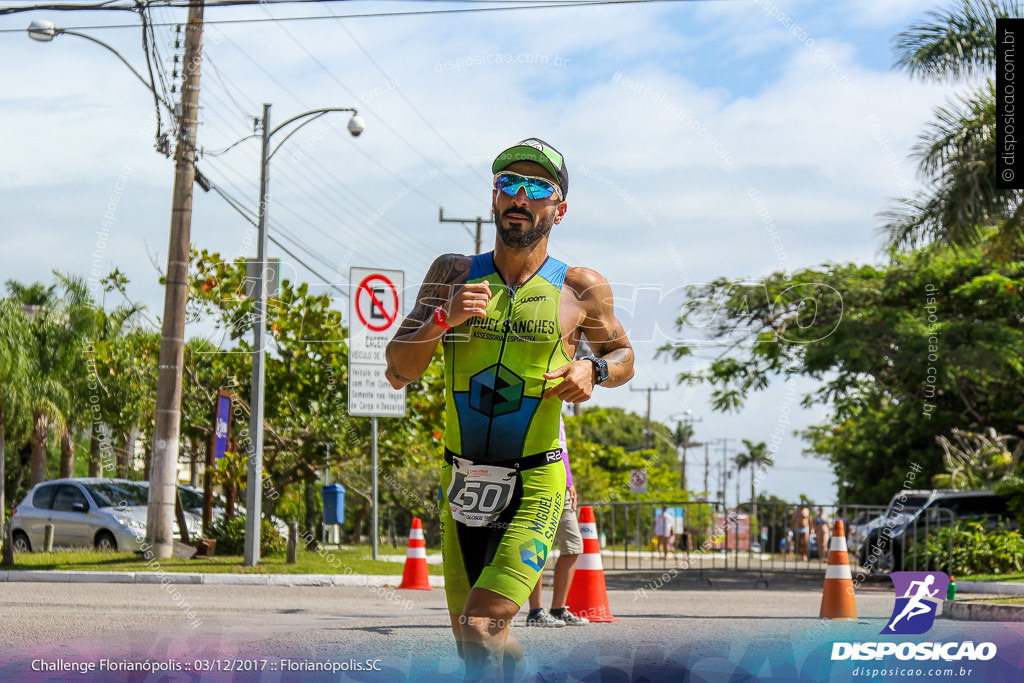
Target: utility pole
pixel 479 225
pixel 687 423
pixel 163 490
pixel 647 431
pixel 725 443
pixel 707 465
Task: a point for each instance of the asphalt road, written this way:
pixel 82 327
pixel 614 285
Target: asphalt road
pixel 404 635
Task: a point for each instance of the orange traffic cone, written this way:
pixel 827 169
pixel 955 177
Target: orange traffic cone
pixel 415 576
pixel 837 602
pixel 588 595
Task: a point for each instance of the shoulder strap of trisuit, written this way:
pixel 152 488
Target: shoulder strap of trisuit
pixel 482 266
pixel 553 271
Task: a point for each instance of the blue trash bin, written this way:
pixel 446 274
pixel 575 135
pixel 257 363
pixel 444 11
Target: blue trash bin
pixel 333 496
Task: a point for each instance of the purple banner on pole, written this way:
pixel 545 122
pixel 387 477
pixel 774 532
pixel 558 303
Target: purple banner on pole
pixel 220 436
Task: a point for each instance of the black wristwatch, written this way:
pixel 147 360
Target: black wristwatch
pixel 601 365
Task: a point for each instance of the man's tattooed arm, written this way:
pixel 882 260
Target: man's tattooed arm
pixel 409 352
pixel 393 371
pixel 446 272
pixel 601 328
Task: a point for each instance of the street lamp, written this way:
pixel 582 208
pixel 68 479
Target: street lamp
pixel 167 422
pixel 45 31
pixel 253 498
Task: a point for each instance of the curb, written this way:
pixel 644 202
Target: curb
pixel 981 611
pixel 990 587
pixel 185 578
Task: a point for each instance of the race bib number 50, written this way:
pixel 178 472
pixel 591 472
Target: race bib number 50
pixel 478 494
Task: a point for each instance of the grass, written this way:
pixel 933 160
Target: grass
pixel 331 561
pixel 1009 578
pixel 1000 601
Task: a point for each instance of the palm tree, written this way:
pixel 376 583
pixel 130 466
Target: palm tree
pixel 47 397
pixel 82 325
pixel 682 438
pixel 957 154
pixel 14 379
pixel 755 457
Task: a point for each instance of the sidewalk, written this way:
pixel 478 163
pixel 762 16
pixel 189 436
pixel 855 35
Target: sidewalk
pixel 183 578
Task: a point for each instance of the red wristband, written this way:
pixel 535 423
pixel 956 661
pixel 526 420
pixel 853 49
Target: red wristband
pixel 440 319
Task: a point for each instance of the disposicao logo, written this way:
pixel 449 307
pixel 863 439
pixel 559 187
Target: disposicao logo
pixel 917 601
pixel 917 598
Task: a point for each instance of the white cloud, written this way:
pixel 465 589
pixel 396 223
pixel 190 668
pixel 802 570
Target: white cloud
pixel 658 202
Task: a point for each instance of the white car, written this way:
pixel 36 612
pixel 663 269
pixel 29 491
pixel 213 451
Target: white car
pixel 106 514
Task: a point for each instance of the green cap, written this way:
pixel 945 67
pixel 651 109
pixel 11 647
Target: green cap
pixel 536 150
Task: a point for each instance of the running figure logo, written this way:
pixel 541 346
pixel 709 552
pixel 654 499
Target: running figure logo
pixel 917 596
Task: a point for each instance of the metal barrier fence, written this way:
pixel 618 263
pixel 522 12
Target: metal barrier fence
pixel 708 536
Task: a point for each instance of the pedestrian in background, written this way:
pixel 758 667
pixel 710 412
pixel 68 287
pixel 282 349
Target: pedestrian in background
pixel 801 526
pixel 821 529
pixel 664 526
pixel 570 547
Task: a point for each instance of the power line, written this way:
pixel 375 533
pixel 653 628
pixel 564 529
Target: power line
pixel 412 106
pixel 367 108
pixel 343 206
pixel 315 199
pixel 233 203
pixel 227 91
pixel 369 157
pixel 367 15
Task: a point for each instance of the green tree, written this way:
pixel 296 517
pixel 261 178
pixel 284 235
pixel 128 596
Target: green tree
pixel 977 460
pixel 306 412
pixel 682 438
pixel 48 398
pixel 903 353
pixel 957 153
pixel 606 445
pixel 14 378
pixel 124 385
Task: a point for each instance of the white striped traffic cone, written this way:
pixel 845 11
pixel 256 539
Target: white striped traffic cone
pixel 838 602
pixel 588 594
pixel 415 575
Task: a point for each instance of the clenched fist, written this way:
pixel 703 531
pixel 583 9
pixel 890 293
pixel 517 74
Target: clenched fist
pixel 468 301
pixel 577 384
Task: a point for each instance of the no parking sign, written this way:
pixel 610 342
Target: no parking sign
pixel 638 481
pixel 375 312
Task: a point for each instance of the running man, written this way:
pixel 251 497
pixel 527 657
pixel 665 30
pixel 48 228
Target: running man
pixel 915 605
pixel 510 321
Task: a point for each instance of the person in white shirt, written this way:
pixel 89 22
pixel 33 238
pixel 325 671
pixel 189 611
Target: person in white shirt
pixel 664 526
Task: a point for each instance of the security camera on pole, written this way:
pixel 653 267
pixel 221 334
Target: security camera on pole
pixel 254 487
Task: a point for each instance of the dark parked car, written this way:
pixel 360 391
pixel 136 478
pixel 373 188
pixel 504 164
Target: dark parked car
pixel 913 513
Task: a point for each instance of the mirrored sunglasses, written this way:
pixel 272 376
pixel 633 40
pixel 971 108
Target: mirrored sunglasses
pixel 536 188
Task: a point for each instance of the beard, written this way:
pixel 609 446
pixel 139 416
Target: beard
pixel 521 239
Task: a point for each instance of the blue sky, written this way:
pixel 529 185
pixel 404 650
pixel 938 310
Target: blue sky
pixel 713 101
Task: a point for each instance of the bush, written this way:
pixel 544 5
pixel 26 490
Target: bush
pixel 230 535
pixel 1012 488
pixel 976 550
